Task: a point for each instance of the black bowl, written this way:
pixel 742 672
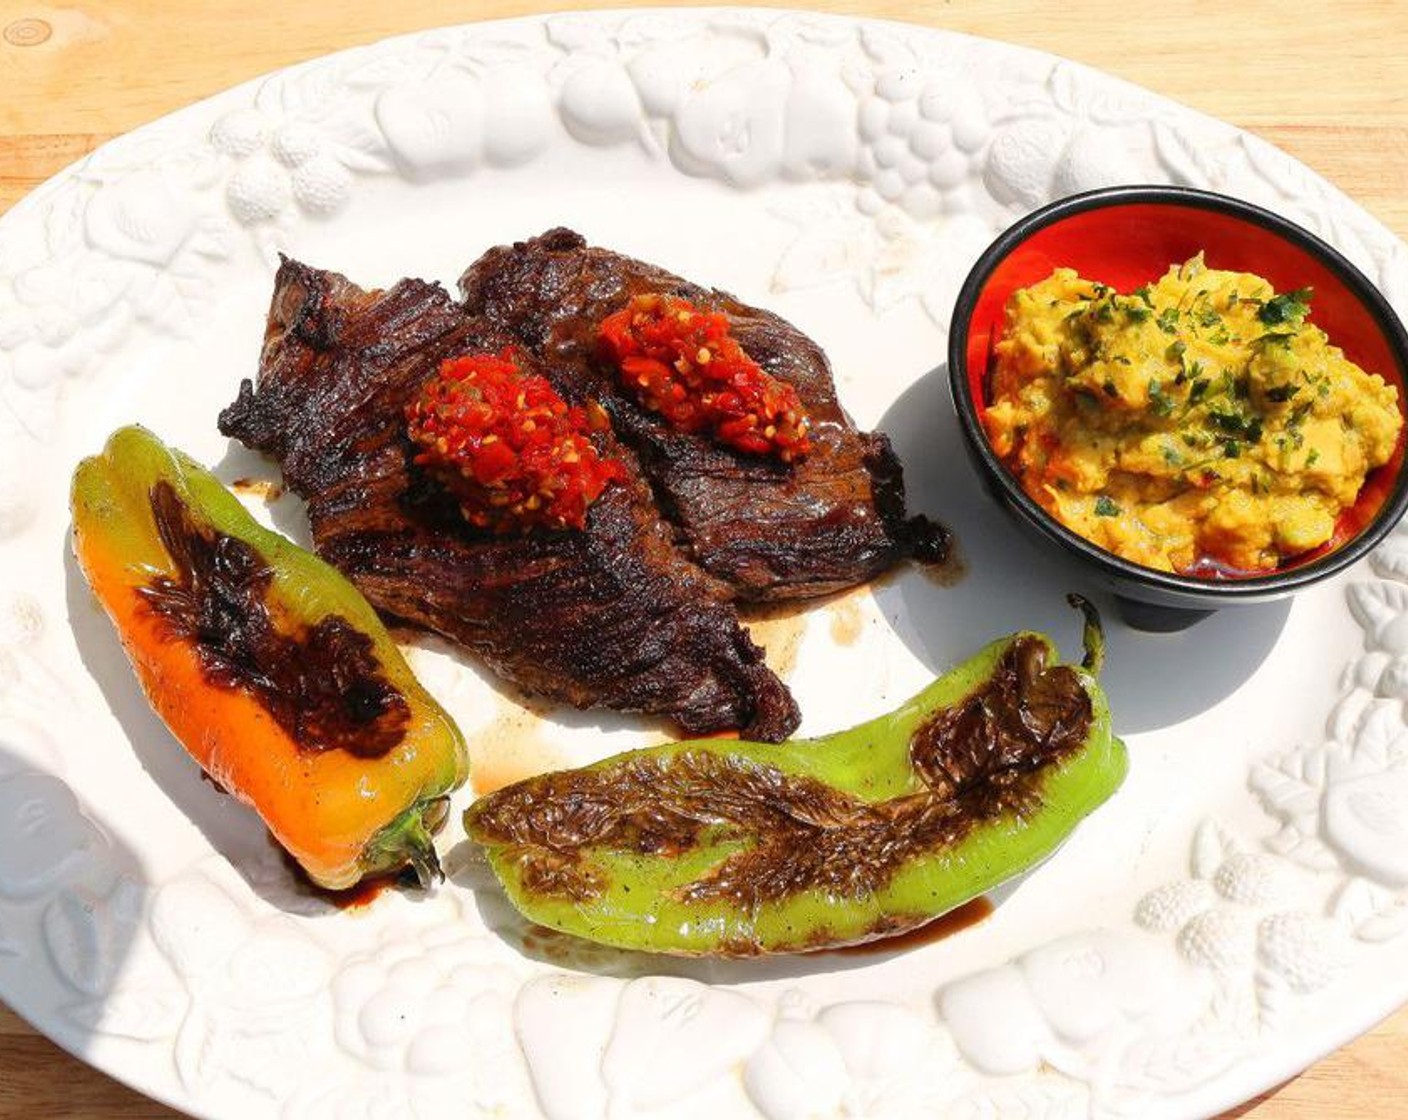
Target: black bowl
pixel 1126 236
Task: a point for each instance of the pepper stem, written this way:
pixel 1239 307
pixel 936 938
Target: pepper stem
pixel 1093 634
pixel 407 841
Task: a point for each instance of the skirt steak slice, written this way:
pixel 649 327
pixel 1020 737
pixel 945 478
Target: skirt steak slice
pixel 611 615
pixel 767 529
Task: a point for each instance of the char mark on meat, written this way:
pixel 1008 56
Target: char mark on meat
pixel 769 530
pixel 612 615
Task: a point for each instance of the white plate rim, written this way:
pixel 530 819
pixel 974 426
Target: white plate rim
pixel 1371 687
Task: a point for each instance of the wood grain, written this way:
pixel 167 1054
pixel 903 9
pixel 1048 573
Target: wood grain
pixel 38 1080
pixel 1326 82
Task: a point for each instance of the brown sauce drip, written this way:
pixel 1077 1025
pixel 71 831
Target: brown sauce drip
pixel 356 897
pixel 977 759
pixel 778 628
pixel 322 685
pixel 847 618
pixel 939 929
pixel 362 895
pixel 512 747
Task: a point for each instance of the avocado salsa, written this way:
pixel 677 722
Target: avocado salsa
pixel 1197 424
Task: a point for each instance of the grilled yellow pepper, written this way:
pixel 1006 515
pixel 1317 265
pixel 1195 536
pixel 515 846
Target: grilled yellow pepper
pixel 268 666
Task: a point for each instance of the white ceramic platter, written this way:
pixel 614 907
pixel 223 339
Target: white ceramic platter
pixel 1236 911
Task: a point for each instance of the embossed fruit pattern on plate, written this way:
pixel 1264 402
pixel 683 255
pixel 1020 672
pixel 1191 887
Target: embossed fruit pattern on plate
pixel 1236 911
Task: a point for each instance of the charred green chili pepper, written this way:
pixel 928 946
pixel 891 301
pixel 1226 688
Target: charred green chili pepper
pixel 736 848
pixel 268 666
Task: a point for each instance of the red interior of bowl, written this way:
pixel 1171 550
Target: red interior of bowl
pixel 1129 244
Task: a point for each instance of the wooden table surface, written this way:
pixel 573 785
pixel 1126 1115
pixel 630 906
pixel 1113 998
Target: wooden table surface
pixel 1324 81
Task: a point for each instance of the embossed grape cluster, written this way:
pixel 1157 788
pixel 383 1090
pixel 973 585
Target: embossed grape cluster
pixel 423 1001
pixel 922 145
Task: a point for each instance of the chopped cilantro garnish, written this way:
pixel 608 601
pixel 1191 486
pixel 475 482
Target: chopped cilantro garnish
pixel 1286 309
pixel 1312 456
pixel 1168 320
pixel 1198 389
pixel 1160 403
pixel 1237 424
pixel 1280 394
pixel 1106 507
pixel 1320 382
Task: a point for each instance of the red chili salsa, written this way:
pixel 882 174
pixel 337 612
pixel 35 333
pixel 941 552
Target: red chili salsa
pixel 684 364
pixel 507 445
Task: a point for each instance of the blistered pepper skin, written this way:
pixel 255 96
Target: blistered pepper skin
pixel 345 810
pixel 708 886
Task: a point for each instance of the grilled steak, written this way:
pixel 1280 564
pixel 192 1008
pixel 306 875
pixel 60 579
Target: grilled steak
pixel 770 530
pixel 611 615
